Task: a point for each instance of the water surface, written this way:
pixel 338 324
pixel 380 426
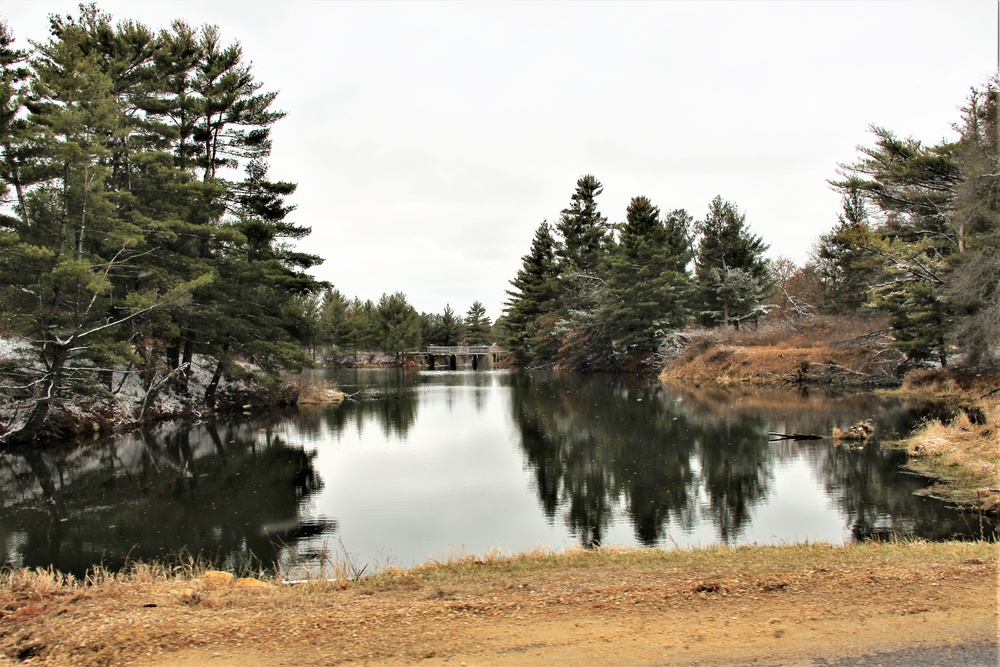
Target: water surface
pixel 436 463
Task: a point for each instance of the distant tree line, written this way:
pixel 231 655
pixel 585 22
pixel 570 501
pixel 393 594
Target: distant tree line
pixel 917 241
pixel 345 326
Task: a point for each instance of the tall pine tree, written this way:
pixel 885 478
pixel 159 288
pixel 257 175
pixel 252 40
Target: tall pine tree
pixel 648 280
pixel 732 273
pixel 533 295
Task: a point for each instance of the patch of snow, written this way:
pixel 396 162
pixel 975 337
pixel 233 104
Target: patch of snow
pixel 128 392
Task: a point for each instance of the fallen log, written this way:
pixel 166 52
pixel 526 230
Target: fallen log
pixel 354 396
pixel 775 436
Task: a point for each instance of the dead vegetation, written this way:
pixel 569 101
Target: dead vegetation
pixel 963 454
pixel 720 605
pixel 320 392
pixel 840 352
pixel 854 353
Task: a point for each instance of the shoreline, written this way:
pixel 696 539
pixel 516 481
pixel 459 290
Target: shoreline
pixel 711 606
pixel 971 485
pixel 960 458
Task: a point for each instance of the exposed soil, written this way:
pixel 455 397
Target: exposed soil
pixel 761 606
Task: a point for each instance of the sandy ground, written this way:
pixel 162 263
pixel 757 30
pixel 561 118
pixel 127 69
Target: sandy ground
pixel 634 611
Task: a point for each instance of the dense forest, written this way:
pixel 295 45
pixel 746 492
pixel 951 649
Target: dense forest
pixel 140 231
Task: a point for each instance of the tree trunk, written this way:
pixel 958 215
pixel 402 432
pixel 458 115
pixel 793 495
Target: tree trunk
pixel 65 212
pixel 188 347
pixel 22 207
pixel 173 354
pixel 83 218
pixel 213 385
pixel 39 414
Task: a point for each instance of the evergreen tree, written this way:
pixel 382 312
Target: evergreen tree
pixel 845 271
pixel 913 187
pixel 18 138
pixel 973 289
pixel 584 335
pixel 680 233
pixel 334 326
pixel 126 244
pixel 363 326
pixel 731 272
pixel 234 118
pixel 397 324
pixel 647 278
pixel 584 232
pixel 478 327
pixel 441 329
pixel 450 329
pixel 533 294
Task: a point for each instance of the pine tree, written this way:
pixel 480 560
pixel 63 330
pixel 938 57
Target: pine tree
pixel 647 278
pixel 478 328
pixel 731 272
pixel 397 324
pixel 973 290
pixel 334 323
pixel 533 294
pixel 584 232
pixel 450 331
pixel 583 334
pixel 913 188
pixel 127 243
pixel 846 272
pixel 234 118
pixel 18 137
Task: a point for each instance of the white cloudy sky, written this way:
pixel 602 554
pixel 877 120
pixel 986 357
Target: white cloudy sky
pixel 429 140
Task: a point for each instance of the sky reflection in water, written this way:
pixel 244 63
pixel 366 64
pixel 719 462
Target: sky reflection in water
pixel 432 464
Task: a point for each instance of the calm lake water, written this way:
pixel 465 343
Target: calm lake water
pixel 439 463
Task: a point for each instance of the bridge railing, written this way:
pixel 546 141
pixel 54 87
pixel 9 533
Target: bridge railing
pixel 462 349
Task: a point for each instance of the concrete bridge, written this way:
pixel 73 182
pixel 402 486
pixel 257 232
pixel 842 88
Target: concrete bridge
pixel 453 357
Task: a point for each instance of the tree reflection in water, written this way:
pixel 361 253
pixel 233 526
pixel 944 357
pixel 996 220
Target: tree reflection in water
pixel 232 494
pixel 669 458
pixel 520 458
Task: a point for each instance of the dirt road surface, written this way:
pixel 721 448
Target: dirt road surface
pixel 733 607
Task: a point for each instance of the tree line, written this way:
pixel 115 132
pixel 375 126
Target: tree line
pixel 595 296
pixel 141 226
pixel 343 327
pixel 917 242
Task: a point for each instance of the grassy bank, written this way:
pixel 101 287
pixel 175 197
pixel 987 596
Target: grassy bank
pixel 852 354
pixel 962 453
pixel 711 606
pixel 839 352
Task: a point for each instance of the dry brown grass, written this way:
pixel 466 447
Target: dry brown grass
pixel 962 383
pixel 319 392
pixel 718 605
pixel 817 350
pixel 964 454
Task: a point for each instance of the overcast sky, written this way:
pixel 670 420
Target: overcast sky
pixel 429 140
